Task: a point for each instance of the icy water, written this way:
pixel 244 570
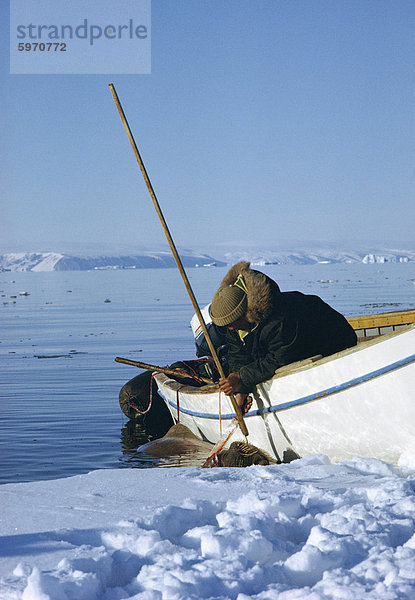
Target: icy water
pixel 59 384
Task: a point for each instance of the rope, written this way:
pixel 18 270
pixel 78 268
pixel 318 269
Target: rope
pixel 220 413
pixel 178 403
pixel 150 402
pixel 192 375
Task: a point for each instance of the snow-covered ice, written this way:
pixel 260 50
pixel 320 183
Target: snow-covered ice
pixel 309 529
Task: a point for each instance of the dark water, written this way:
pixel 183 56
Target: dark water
pixel 59 412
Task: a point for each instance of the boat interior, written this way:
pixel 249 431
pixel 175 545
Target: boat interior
pixel 371 326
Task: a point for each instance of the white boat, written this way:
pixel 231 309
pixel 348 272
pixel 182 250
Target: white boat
pixel 358 402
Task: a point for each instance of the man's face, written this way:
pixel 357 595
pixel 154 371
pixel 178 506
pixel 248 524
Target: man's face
pixel 239 324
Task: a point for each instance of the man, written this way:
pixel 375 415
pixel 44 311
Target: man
pixel 268 328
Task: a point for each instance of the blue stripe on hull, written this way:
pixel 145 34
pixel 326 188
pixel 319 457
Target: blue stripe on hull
pixel 306 399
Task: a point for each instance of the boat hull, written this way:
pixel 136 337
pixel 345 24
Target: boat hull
pixel 357 402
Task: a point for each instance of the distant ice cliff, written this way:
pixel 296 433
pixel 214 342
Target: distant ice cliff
pixel 52 261
pixel 55 261
pixel 324 256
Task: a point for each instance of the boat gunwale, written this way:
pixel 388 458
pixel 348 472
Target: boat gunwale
pixel 392 318
pixel 293 368
pixel 304 400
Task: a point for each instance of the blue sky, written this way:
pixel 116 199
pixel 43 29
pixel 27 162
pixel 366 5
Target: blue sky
pixel 263 123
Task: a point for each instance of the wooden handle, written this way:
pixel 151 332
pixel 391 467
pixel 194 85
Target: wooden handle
pixel 166 370
pixel 176 256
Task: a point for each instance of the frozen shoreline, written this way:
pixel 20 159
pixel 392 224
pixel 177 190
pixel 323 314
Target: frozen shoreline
pixel 309 529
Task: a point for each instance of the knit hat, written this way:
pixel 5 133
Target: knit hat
pixel 228 305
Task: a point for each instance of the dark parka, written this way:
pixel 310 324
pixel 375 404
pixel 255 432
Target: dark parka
pixel 289 326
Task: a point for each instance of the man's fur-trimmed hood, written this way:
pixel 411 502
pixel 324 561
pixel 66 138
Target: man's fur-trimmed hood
pixel 261 290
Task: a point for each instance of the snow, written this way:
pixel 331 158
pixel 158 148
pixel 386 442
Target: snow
pixel 48 262
pixel 30 261
pixel 309 529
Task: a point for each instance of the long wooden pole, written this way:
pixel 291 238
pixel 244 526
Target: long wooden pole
pixel 176 256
